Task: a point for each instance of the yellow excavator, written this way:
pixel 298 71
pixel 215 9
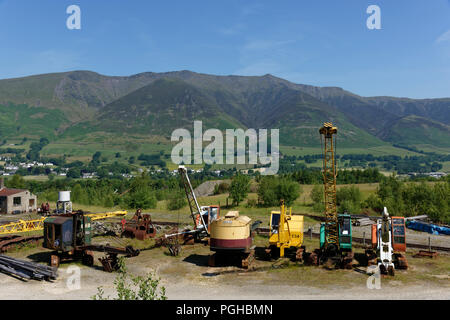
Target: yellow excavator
pixel 286 233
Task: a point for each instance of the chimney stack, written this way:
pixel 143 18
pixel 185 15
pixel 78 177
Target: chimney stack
pixel 2 183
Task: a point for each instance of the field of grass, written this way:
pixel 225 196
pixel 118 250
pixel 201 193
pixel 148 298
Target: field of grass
pixel 108 144
pixel 376 151
pixel 446 166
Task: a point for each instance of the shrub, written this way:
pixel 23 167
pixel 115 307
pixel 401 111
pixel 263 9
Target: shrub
pixel 176 201
pixel 272 189
pixel 222 187
pixel 132 287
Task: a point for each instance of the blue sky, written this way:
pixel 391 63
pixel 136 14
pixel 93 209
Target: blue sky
pixel 324 43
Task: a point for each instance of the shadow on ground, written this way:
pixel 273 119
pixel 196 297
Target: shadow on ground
pixel 197 259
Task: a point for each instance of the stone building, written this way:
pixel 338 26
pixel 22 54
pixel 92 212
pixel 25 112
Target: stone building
pixel 16 200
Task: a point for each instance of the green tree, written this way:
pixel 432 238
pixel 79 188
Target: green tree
pixel 222 187
pixel 74 173
pixel 142 198
pixel 272 189
pixel 239 188
pixel 79 194
pixel 374 202
pixel 288 190
pixel 317 197
pixel 177 200
pixel 17 182
pixel 267 191
pixel 349 199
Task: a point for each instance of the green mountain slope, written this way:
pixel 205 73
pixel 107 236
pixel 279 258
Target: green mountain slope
pixel 23 121
pixel 168 104
pixel 410 129
pixel 80 103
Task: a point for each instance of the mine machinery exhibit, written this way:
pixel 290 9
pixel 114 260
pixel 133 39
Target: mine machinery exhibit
pixel 68 233
pixel 230 238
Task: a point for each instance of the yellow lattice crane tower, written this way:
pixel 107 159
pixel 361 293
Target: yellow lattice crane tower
pixel 336 232
pixel 328 133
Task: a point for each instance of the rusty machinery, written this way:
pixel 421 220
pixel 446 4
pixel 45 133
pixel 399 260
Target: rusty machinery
pixel 139 227
pixel 69 235
pixel 336 232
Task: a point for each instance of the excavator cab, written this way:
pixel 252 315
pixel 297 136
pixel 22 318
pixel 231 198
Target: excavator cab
pixel 209 214
pixel 345 232
pixel 274 221
pixel 214 213
pixel 398 234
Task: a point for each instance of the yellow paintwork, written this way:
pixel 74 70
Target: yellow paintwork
pixel 290 230
pixel 105 215
pixel 329 182
pixel 22 226
pixel 230 227
pixel 38 224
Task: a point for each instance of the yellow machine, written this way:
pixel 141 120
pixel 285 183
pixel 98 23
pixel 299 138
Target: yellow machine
pixel 286 231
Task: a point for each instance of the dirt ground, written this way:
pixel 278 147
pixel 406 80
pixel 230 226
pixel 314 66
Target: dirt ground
pixel 188 277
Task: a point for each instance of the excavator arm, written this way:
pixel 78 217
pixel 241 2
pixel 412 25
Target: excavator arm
pixel 192 199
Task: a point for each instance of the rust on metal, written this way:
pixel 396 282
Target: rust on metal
pixel 139 227
pixel 426 254
pixel 8 242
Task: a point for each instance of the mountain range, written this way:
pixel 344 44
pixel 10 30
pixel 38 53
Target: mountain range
pixel 76 103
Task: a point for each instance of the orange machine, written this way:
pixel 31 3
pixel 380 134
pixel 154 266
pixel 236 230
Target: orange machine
pixel 389 241
pixel 398 233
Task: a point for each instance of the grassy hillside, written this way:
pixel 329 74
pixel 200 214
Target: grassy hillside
pixel 83 110
pixel 168 104
pixel 24 121
pixel 411 129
